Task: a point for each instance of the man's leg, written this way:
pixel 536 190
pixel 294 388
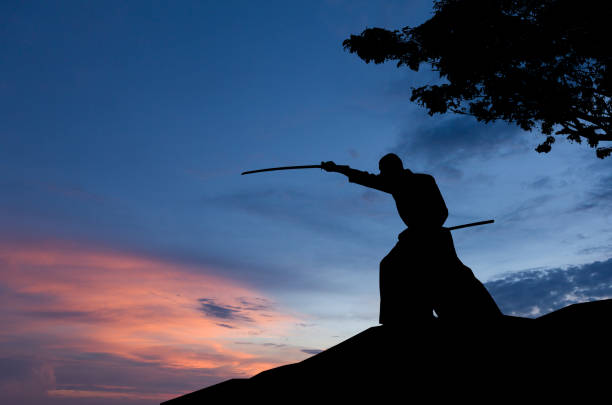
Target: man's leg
pixel 459 294
pixel 403 292
pixel 387 266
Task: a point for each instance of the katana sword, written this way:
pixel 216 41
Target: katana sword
pixel 284 168
pixel 490 221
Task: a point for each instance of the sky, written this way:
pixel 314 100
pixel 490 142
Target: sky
pixel 137 264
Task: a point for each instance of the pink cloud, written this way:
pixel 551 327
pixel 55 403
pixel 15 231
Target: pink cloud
pixel 96 310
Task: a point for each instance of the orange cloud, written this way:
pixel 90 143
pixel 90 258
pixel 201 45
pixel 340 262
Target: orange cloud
pixel 107 394
pixel 140 309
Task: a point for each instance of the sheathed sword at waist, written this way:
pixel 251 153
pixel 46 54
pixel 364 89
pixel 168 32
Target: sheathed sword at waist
pixel 452 228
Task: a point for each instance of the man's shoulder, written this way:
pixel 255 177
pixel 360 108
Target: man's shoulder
pixel 420 176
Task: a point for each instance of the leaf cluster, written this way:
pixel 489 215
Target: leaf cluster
pixel 538 64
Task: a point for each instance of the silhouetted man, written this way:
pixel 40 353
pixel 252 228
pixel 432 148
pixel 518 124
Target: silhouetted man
pixel 422 272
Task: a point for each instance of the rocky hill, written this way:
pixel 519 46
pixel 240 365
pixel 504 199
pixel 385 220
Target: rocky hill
pixel 562 355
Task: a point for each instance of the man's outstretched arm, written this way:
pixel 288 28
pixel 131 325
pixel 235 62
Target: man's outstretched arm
pixel 356 176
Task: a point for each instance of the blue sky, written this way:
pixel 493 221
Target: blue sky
pixel 125 127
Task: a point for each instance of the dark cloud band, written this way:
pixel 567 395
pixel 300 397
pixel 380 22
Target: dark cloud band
pixel 536 292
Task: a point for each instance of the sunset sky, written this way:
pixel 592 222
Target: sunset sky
pixel 137 264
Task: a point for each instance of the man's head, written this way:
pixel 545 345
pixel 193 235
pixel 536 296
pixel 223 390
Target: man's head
pixel 390 165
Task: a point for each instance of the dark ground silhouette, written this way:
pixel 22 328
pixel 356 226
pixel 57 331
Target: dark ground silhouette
pixel 562 355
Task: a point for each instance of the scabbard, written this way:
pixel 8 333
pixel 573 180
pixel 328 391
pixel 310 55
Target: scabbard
pixel 490 221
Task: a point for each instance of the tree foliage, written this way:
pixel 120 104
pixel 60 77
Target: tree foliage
pixel 539 64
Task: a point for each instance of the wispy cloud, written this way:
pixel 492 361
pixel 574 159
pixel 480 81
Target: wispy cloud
pixel 289 206
pixel 312 351
pixel 599 197
pixel 527 209
pixel 449 142
pixel 211 309
pixel 540 183
pixel 240 313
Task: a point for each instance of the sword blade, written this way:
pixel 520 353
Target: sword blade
pixel 283 168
